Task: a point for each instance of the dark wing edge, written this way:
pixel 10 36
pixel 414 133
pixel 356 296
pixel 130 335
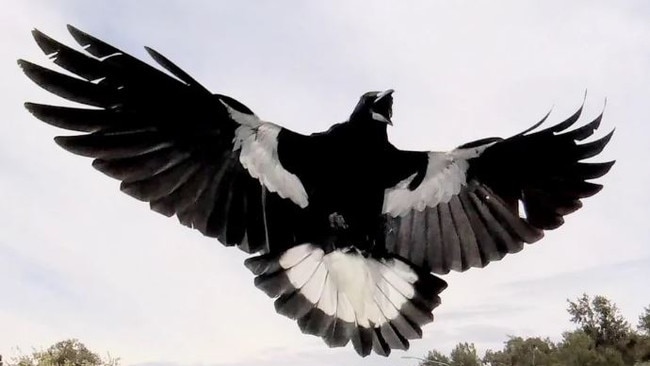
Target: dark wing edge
pixel 466 213
pixel 167 139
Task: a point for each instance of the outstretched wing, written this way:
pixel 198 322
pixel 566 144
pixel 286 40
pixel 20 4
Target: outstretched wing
pixel 203 157
pixel 465 211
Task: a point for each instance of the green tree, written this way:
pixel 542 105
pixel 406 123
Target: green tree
pixel 643 339
pixel 603 338
pixel 644 321
pixel 69 352
pixel 464 354
pixel 435 358
pixel 600 319
pixel 523 352
pixel 578 349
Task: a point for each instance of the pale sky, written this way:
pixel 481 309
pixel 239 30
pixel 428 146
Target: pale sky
pixel 80 259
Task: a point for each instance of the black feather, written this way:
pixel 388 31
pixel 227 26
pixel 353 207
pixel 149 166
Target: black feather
pixel 82 120
pixel 186 195
pixel 362 340
pixel 593 148
pixel 450 241
pixel 316 322
pixel 70 88
pixel 162 184
pixel 585 131
pixel 468 245
pixel 114 145
pixel 141 166
pixel 379 345
pixel 292 305
pixel 91 44
pixel 71 60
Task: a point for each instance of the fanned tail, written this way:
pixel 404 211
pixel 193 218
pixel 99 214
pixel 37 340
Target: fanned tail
pixel 342 296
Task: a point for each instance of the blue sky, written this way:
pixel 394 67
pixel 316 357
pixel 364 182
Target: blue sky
pixel 80 259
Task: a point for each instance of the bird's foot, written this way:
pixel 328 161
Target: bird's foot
pixel 337 221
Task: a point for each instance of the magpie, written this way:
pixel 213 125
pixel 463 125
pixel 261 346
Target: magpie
pixel 347 232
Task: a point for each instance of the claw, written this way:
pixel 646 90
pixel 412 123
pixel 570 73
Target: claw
pixel 337 221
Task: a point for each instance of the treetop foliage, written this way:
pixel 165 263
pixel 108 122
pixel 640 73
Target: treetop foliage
pixel 69 352
pixel 602 338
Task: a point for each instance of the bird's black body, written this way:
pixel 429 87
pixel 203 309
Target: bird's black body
pixel 343 181
pixel 347 229
pixel 344 170
pixel 355 188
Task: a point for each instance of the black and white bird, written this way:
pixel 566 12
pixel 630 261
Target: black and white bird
pixel 347 230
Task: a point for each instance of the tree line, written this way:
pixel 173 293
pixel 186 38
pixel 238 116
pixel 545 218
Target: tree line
pixel 603 337
pixel 69 352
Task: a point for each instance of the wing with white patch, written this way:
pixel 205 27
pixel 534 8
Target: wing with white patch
pixel 444 177
pixel 203 157
pixel 462 211
pixel 342 296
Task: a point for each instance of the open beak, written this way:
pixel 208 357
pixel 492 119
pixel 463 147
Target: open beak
pixel 384 107
pixel 383 94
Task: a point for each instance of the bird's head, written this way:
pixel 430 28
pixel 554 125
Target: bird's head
pixel 374 106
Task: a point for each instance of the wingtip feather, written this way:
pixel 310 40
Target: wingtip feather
pixel 92 45
pixel 173 68
pixel 32 70
pixel 587 130
pixel 594 148
pixel 569 121
pixel 23 63
pixel 536 124
pixel 78 35
pixel 47 44
pixel 61 141
pixel 33 109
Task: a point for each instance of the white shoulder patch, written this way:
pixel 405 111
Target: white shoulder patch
pixel 258 144
pixel 444 178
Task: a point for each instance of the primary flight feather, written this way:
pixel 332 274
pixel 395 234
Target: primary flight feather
pixel 347 230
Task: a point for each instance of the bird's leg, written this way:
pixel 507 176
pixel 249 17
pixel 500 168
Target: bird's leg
pixel 337 221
